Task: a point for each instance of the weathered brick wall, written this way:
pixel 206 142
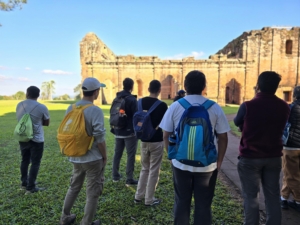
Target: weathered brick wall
pixel 231 73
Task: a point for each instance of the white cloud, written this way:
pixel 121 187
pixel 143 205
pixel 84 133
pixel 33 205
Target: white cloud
pixel 57 72
pixel 27 68
pixel 2 77
pixel 23 79
pixel 3 68
pixel 195 54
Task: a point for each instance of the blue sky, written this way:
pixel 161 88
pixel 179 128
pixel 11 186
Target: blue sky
pixel 41 42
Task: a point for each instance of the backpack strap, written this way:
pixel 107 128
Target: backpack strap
pixel 184 103
pixel 82 107
pixel 208 103
pixel 154 106
pixel 140 107
pixel 31 110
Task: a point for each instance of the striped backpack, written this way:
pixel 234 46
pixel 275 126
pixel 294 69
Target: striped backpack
pixel 194 140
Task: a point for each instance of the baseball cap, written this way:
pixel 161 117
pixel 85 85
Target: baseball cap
pixel 181 92
pixel 91 84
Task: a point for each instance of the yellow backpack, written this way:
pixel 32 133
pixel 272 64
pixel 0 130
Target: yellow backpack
pixel 71 134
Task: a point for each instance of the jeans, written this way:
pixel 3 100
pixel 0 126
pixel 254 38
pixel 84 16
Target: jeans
pixel 251 173
pixel 94 172
pixel 31 152
pixel 291 174
pixel 151 157
pixel 131 145
pixel 203 186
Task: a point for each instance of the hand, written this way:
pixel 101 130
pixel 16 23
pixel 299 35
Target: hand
pixel 104 160
pixel 219 166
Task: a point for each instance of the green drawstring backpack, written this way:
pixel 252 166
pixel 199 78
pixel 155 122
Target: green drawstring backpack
pixel 23 131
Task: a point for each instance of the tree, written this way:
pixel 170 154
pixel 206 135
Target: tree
pixel 48 88
pixel 78 91
pixel 43 95
pixel 20 95
pixel 11 4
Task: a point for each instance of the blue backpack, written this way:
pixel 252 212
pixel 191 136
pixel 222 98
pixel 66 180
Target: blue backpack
pixel 142 123
pixel 193 143
pixel 286 131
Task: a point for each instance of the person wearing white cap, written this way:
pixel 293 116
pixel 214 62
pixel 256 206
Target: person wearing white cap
pixel 92 164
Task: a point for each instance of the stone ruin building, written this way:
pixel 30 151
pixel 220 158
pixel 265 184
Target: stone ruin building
pixel 231 73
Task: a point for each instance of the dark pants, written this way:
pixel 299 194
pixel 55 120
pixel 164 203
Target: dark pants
pixel 251 173
pixel 130 144
pixel 203 186
pixel 31 152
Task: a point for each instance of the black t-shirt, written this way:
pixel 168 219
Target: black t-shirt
pixel 156 116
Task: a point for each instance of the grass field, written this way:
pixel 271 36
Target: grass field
pixel 116 203
pixel 234 129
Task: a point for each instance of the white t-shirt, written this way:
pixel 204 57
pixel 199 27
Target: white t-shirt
pixel 38 113
pixel 217 118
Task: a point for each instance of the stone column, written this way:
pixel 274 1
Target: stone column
pixel 221 85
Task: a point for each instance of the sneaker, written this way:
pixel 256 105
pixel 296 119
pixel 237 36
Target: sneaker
pixel 34 190
pixel 155 202
pixel 294 205
pixel 23 188
pixel 96 222
pixel 68 220
pixel 284 204
pixel 136 201
pixel 130 182
pixel 117 179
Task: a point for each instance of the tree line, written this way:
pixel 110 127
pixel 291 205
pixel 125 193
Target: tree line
pixel 48 89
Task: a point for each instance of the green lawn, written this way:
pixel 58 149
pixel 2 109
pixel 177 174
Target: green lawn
pixel 234 129
pixel 116 203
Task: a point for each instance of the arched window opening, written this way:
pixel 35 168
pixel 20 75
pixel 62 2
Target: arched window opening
pixel 288 47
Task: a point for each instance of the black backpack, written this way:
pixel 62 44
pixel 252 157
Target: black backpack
pixel 118 117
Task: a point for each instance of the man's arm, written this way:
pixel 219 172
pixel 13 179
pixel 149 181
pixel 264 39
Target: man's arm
pixel 46 122
pixel 239 119
pixel 166 139
pixel 102 149
pixel 222 147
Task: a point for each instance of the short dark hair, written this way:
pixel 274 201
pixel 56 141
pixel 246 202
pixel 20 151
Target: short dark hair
pixel 296 92
pixel 268 81
pixel 89 93
pixel 127 84
pixel 33 92
pixel 154 86
pixel 195 82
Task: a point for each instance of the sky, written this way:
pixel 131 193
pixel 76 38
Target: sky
pixel 40 42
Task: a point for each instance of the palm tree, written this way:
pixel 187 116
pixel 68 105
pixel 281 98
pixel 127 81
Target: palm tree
pixel 48 88
pixel 78 91
pixel 43 95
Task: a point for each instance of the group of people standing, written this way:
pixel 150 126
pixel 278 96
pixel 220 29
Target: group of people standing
pixel 261 121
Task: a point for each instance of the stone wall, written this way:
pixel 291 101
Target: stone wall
pixel 231 73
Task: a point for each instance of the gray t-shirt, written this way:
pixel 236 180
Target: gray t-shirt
pixel 38 113
pixel 94 125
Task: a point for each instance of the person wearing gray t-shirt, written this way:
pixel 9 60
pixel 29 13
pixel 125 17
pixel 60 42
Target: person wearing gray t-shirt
pixel 32 151
pixel 91 165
